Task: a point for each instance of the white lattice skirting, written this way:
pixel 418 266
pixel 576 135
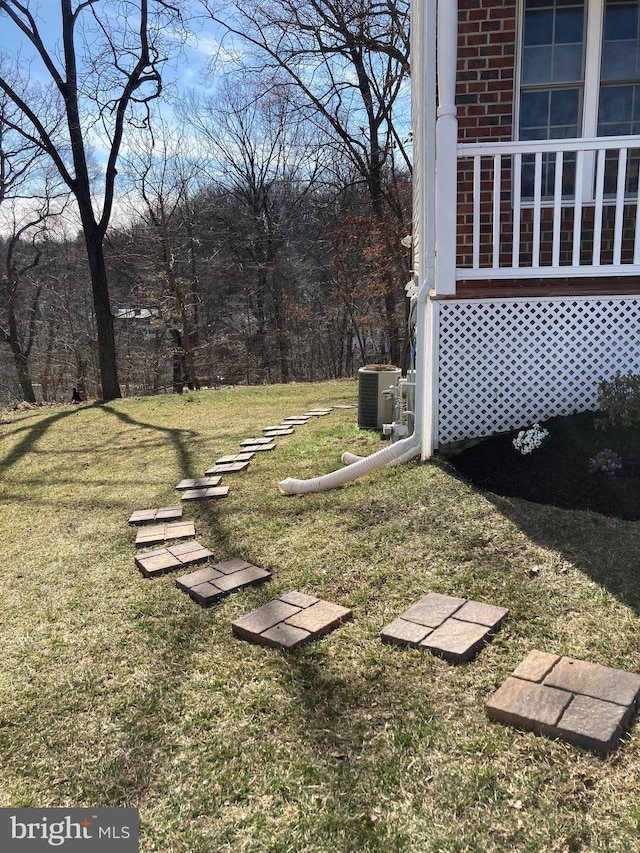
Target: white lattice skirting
pixel 507 363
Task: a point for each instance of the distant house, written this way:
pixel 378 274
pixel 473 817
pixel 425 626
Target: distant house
pixel 526 171
pixel 146 319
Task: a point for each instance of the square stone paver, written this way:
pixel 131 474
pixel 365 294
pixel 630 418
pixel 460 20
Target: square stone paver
pixel 302 418
pixel 235 457
pixel 291 620
pixel 260 448
pixel 252 442
pixel 586 704
pixel 228 468
pixel 453 628
pixel 317 413
pixel 215 493
pixel 198 483
pixel 208 585
pixel 173 557
pixel 155 533
pixel 294 422
pixel 163 513
pixel 273 432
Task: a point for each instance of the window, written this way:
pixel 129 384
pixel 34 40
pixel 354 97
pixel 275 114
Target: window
pixel 579 76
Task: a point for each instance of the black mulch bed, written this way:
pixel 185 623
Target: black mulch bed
pixel 558 472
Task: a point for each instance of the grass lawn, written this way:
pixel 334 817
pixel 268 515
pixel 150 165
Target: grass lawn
pixel 118 690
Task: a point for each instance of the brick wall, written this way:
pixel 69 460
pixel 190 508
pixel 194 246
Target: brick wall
pixel 486 69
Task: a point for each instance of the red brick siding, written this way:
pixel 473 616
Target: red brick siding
pixel 486 69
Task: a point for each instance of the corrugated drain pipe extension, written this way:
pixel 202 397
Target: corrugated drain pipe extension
pixel 401 451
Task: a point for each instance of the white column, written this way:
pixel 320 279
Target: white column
pixel 446 148
pixel 423 73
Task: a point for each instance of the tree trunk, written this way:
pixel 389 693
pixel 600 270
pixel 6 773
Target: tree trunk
pixel 104 318
pixel 24 377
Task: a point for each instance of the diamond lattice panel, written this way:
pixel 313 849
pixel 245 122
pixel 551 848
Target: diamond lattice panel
pixel 505 364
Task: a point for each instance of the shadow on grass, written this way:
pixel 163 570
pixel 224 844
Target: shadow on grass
pixel 33 434
pixel 339 719
pixel 178 437
pixel 605 549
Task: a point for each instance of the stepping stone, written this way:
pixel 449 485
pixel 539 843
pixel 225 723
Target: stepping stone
pixel 453 628
pixel 276 433
pixel 235 457
pixel 227 468
pixel 258 448
pixel 298 419
pixel 164 513
pixel 254 442
pixel 291 620
pixel 317 413
pixel 208 585
pixel 173 557
pixel 156 533
pixel 584 703
pixel 198 483
pixel 211 493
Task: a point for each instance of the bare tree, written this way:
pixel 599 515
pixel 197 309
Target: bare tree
pixel 264 165
pixel 162 179
pixel 104 78
pixel 28 199
pixel 345 64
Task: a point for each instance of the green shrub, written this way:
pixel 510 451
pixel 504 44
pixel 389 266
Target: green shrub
pixel 619 400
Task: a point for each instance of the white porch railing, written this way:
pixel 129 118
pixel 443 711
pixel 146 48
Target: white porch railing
pixel 558 208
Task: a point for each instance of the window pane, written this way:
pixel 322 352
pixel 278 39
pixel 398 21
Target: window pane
pixel 563 113
pixel 619 112
pixel 621 40
pixel 538 28
pixel 569 26
pixel 621 20
pixel 549 115
pixel 553 39
pixel 536 65
pixel 619 60
pixel 534 114
pixel 567 63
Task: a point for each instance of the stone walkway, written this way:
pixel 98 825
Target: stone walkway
pixel 211 493
pixel 153 534
pixel 166 559
pixel 453 628
pixel 583 703
pixel 291 620
pixel 163 513
pixel 208 585
pixel 198 483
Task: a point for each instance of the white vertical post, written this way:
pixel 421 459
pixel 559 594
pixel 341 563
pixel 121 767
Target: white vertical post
pixel 557 209
pixel 423 89
pixel 620 190
pixel 497 192
pixel 517 193
pixel 446 148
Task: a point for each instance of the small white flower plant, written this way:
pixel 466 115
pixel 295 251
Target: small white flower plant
pixel 530 439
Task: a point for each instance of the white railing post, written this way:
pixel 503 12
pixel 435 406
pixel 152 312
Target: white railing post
pixel 446 148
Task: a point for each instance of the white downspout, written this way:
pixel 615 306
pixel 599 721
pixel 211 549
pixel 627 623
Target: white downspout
pixel 423 64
